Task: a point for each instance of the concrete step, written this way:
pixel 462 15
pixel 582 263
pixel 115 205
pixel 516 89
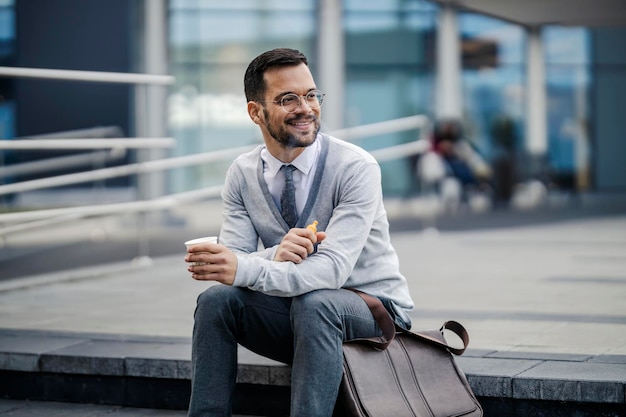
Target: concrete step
pixel 154 373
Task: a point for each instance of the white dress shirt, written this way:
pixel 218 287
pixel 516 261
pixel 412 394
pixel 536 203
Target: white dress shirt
pixel 306 164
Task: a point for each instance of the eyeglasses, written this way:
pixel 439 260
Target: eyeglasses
pixel 291 102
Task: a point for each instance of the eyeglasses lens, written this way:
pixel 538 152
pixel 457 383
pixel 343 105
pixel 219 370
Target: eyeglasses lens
pixel 291 102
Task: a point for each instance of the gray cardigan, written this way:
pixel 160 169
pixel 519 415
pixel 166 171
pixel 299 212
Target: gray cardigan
pixel 346 199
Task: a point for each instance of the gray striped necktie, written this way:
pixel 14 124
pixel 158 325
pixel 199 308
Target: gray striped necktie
pixel 288 197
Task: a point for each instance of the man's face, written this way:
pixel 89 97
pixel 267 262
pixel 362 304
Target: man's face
pixel 291 130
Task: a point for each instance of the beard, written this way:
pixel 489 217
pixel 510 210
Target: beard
pixel 290 140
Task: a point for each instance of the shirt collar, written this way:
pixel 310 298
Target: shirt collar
pixel 304 162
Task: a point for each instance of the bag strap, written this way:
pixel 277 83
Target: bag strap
pixel 388 327
pixel 382 317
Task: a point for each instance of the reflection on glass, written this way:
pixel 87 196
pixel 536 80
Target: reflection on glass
pixel 494 90
pixel 384 83
pixel 211 44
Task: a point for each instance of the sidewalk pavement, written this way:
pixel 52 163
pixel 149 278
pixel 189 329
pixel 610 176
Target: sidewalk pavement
pixel 15 408
pixel 552 290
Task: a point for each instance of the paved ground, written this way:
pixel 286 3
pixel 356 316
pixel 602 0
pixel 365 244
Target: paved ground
pixel 555 287
pixel 550 287
pixel 51 409
pixel 14 408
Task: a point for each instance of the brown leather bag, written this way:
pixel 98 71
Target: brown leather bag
pixel 405 373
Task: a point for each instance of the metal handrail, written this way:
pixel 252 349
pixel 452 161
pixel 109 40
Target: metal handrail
pixel 91 76
pixel 38 218
pixel 96 132
pixel 98 158
pixel 398 151
pixel 73 213
pixel 121 171
pixel 382 128
pixel 413 122
pixel 114 144
pixel 87 143
pixel 384 154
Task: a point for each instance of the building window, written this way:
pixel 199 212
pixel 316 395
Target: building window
pixel 389 74
pixel 7 55
pixel 567 88
pixel 211 44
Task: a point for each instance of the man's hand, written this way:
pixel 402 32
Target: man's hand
pixel 297 245
pixel 220 264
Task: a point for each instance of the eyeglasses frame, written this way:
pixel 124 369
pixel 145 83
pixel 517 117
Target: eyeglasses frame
pixel 300 97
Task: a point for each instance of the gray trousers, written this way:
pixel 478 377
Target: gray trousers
pixel 305 332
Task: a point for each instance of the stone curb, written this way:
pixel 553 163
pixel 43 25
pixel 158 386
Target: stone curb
pixel 522 376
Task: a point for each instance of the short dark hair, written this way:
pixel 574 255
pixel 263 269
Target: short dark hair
pixel 254 83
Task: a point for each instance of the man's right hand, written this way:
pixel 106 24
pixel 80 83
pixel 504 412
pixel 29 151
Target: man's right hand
pixel 219 263
pixel 297 245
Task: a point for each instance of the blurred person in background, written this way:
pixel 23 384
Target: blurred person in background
pixel 452 166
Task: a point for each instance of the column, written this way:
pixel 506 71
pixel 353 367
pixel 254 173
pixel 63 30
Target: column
pixel 151 100
pixel 448 60
pixel 331 65
pixel 536 109
pixel 151 116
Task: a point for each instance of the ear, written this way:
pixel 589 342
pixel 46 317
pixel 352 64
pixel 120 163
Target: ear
pixel 254 111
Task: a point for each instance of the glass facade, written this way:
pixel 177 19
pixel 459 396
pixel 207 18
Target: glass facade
pixel 7 102
pixel 7 51
pixel 568 82
pixel 212 42
pixel 388 71
pixel 494 92
pixel 385 83
pixel 493 61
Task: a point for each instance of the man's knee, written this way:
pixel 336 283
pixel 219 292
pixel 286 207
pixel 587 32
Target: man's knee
pixel 215 299
pixel 211 294
pixel 315 305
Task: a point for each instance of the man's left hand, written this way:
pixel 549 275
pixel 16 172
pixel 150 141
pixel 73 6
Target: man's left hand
pixel 297 245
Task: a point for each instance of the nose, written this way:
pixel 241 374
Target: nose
pixel 304 102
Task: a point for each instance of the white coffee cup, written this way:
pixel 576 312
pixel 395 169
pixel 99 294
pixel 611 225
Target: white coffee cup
pixel 201 240
pixel 208 239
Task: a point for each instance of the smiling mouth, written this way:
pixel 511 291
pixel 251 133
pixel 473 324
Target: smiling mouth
pixel 301 123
